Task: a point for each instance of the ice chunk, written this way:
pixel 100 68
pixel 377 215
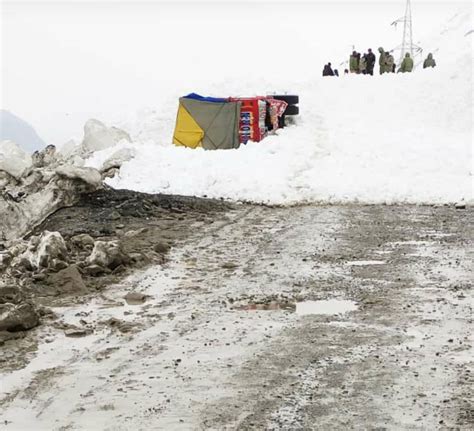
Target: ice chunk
pixel 14 160
pixel 42 250
pixel 97 136
pixel 88 175
pixel 118 158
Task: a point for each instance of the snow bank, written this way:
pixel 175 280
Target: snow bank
pixel 88 175
pixel 13 159
pixel 397 138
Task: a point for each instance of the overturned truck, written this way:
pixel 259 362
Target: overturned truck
pixel 225 123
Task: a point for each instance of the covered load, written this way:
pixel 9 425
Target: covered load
pixel 225 123
pixel 207 122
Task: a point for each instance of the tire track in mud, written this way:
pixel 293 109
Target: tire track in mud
pixel 320 376
pixel 199 361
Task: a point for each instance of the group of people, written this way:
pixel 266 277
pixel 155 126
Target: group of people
pixel 365 64
pixel 362 64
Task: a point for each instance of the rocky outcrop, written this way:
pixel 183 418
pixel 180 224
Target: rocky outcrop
pixel 17 317
pixel 107 254
pixel 44 251
pixel 34 187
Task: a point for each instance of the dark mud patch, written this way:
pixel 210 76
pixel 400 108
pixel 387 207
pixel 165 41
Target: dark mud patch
pixel 145 226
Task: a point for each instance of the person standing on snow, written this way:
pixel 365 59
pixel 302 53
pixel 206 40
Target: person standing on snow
pixel 429 62
pixel 370 62
pixel 407 64
pixel 327 71
pixel 389 63
pixel 363 65
pixel 353 63
pixel 382 61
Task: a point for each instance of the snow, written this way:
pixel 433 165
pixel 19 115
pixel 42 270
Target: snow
pixel 97 136
pixel 89 175
pixel 13 159
pixel 398 138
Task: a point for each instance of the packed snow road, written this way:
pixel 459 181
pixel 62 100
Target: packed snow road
pixel 227 337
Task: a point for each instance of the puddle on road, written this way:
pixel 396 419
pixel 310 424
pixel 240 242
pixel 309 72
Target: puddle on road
pixel 327 307
pixel 134 298
pixel 269 306
pixel 365 262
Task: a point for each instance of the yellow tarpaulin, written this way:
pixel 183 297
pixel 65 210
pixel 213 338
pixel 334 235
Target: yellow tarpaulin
pixel 187 132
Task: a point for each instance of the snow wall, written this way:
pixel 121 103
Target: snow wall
pixel 395 138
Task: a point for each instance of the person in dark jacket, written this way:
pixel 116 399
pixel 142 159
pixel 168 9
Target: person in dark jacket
pixel 429 61
pixel 336 72
pixel 327 71
pixel 370 62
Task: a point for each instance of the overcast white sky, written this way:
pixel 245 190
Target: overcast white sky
pixel 64 62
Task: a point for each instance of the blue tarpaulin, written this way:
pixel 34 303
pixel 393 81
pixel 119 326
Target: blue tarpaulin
pixel 205 99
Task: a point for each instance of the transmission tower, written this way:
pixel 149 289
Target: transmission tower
pixel 407 41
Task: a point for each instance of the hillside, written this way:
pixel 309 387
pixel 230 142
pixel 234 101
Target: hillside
pixel 15 129
pixel 391 139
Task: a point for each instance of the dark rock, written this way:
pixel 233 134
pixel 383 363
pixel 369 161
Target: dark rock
pixel 39 277
pixel 161 247
pixel 6 336
pixel 5 260
pixel 77 332
pixel 10 294
pixel 115 215
pixel 135 298
pixel 108 254
pixel 58 265
pixel 229 265
pixel 68 280
pixel 96 270
pixel 17 317
pixel 138 257
pixel 121 325
pixel 83 240
pixel 24 263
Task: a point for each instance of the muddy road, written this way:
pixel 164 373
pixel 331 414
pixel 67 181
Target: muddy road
pixel 306 318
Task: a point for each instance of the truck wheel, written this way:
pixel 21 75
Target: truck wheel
pixel 281 122
pixel 290 99
pixel 292 110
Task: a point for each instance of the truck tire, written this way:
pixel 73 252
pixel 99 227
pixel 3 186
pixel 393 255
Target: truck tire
pixel 281 122
pixel 290 99
pixel 292 110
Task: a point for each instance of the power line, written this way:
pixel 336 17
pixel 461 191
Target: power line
pixel 407 40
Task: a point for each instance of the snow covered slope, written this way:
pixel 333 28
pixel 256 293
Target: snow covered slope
pixel 398 138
